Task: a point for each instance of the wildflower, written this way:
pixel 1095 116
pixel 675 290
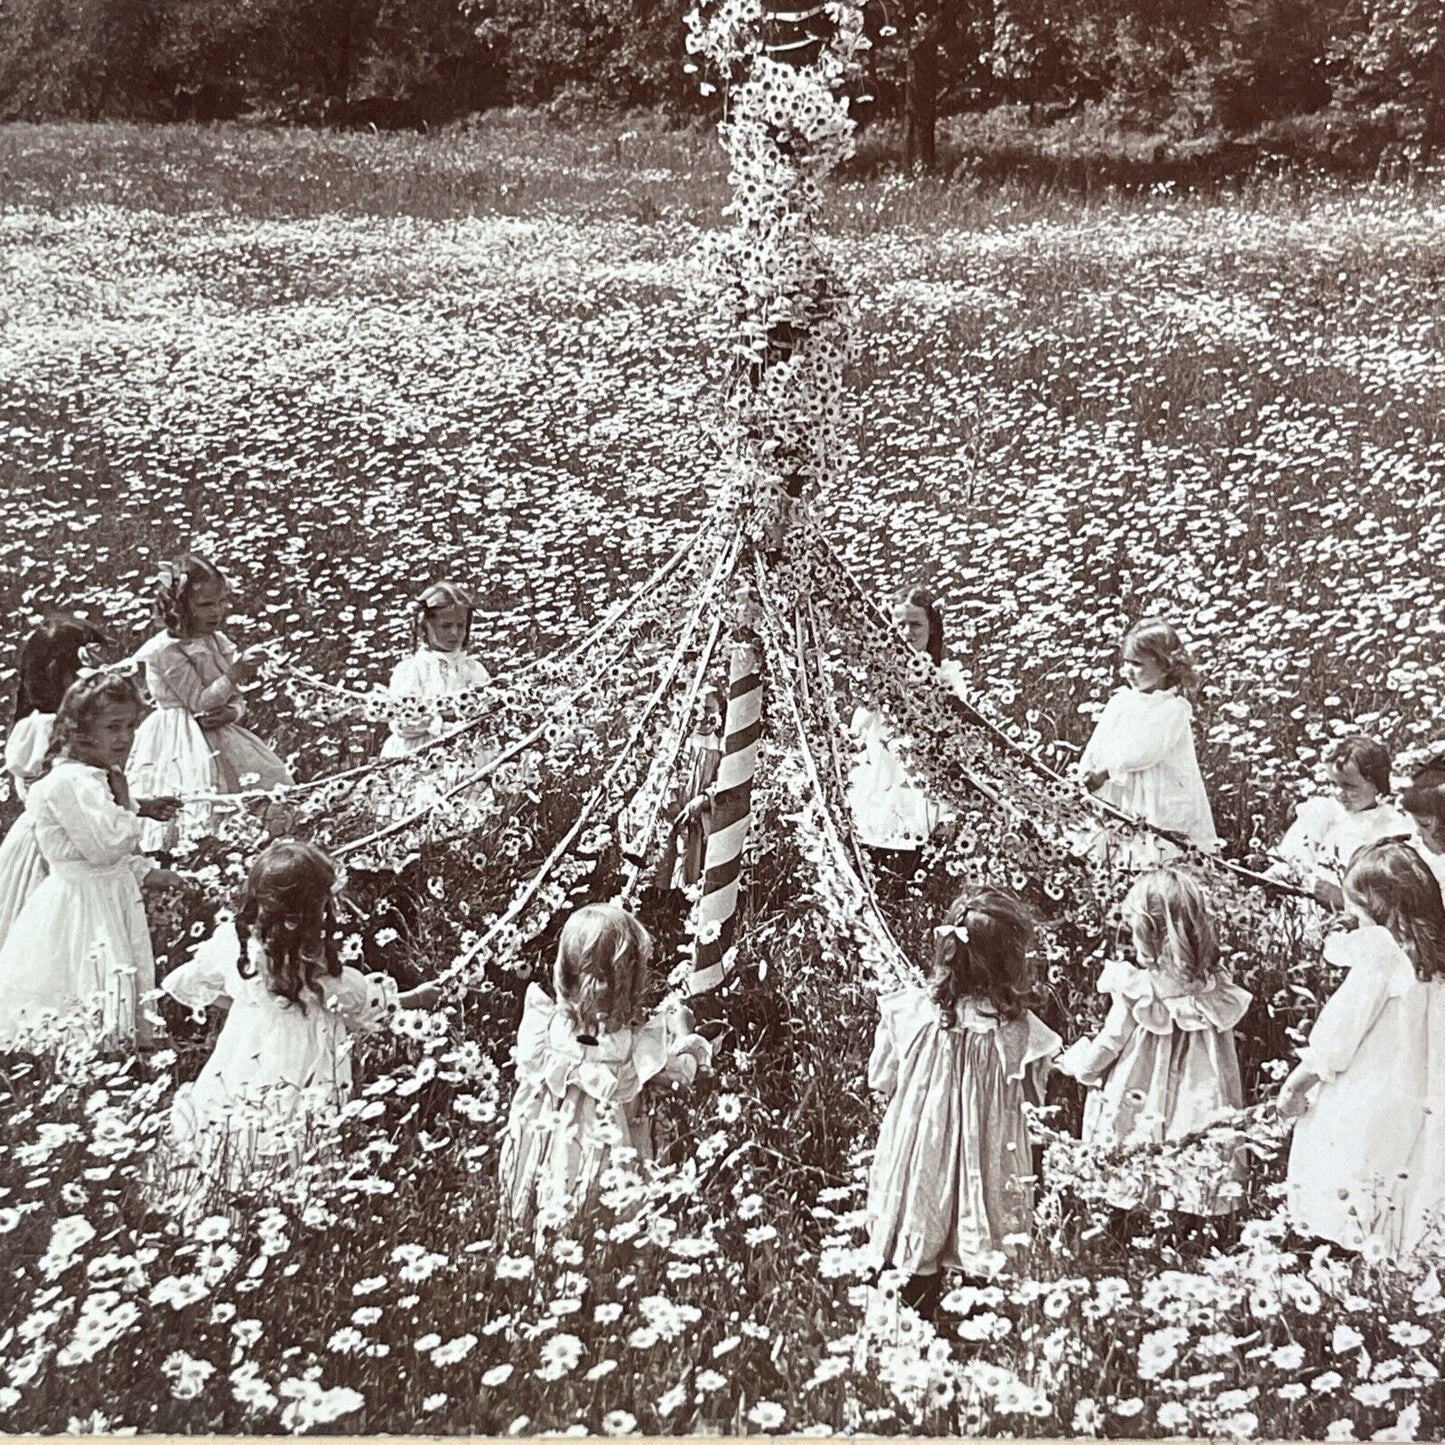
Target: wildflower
pixel 601 1369
pixel 1173 1417
pixel 497 1375
pixel 1340 1430
pixel 709 1381
pixel 1345 1339
pixel 187 1375
pixel 559 1356
pixel 669 1401
pixel 618 1422
pixel 454 1350
pixel 433 1403
pixel 346 1341
pixel 1088 1417
pixel 767 1415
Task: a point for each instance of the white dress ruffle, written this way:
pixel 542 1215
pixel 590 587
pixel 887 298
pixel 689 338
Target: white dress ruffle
pixel 278 1074
pixel 1144 741
pixel 1325 835
pixel 173 754
pixel 1163 1067
pixel 22 866
pixel 25 749
pixel 82 934
pixel 952 1179
pixel 1367 1162
pixel 579 1106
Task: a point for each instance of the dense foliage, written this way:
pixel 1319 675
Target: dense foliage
pixel 1343 78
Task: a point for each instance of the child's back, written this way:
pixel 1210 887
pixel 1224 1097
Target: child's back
pixel 952 1176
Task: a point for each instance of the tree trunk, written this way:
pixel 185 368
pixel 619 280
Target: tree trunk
pixel 920 96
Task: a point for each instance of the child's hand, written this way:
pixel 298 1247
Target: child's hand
pixel 162 810
pixel 1294 1096
pixel 163 878
pixel 1330 894
pixel 1096 780
pixel 242 671
pixel 217 717
pixel 426 995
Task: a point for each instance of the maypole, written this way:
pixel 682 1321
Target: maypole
pixel 787 126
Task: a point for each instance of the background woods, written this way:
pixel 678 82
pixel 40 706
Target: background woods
pixel 1344 80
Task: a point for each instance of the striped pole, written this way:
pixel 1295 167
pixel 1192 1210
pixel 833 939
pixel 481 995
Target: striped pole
pixel 731 813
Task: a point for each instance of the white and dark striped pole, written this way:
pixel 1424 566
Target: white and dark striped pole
pixel 731 815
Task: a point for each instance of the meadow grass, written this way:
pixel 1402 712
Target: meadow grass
pixel 348 363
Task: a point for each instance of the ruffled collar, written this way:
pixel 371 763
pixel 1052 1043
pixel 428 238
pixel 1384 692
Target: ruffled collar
pixel 1372 946
pixel 613 1069
pixel 1161 1002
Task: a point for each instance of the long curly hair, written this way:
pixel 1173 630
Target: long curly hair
pixel 77 709
pixel 1155 640
pixel 50 658
pixel 1393 884
pixel 437 598
pixel 287 903
pixel 981 952
pixel 600 974
pixel 175 582
pixel 923 599
pixel 1168 913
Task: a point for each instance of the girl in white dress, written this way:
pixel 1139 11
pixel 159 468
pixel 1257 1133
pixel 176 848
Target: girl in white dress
pixel 281 1068
pixel 1164 1064
pixel 1328 831
pixel 1424 805
pixel 193 742
pixel 585 1063
pixel 894 818
pixel 1141 757
pixel 1367 1162
pixel 50 660
pixel 83 932
pixel 439 667
pixel 951 1186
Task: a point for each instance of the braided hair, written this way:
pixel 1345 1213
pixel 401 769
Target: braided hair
pixel 437 598
pixel 82 700
pixel 287 904
pixel 601 970
pixel 1393 884
pixel 981 953
pixel 175 582
pixel 1155 640
pixel 49 660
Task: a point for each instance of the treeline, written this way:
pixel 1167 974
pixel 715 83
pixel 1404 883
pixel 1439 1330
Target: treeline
pixel 1369 74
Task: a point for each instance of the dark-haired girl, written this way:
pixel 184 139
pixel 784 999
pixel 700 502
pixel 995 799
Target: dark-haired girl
pixel 893 816
pixel 193 742
pixel 1424 804
pixel 82 934
pixel 282 1063
pixel 50 660
pixel 951 1186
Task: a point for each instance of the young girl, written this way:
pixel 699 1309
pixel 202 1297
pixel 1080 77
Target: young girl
pixel 83 931
pixel 1424 804
pixel 893 817
pixel 1141 757
pixel 680 863
pixel 1165 1064
pixel 439 667
pixel 193 742
pixel 1328 831
pixel 952 1178
pixel 1367 1162
pixel 282 1064
pixel 50 659
pixel 584 1064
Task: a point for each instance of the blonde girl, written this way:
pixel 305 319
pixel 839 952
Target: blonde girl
pixel 194 742
pixel 1164 1065
pixel 1367 1161
pixel 82 934
pixel 586 1061
pixel 438 667
pixel 951 1187
pixel 1141 757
